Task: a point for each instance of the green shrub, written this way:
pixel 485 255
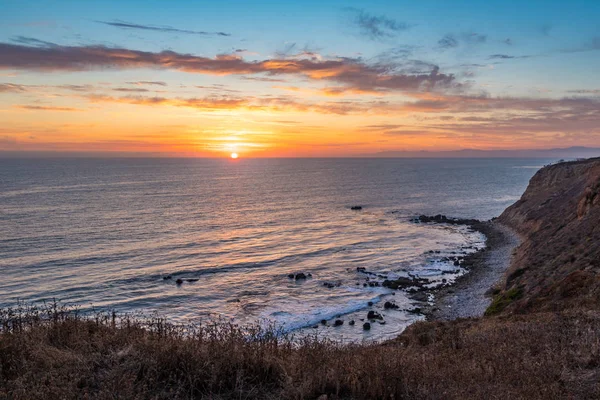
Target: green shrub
pixel 502 300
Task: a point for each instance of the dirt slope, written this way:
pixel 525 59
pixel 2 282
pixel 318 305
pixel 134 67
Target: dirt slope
pixel 558 264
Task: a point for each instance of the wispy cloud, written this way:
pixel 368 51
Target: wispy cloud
pixel 45 108
pixel 506 57
pixel 293 51
pixel 447 42
pixel 159 28
pixel 585 91
pixel 32 41
pixel 150 83
pixel 452 40
pixel 261 79
pixel 474 38
pixel 12 88
pixel 496 120
pixel 130 90
pixel 349 72
pixel 376 27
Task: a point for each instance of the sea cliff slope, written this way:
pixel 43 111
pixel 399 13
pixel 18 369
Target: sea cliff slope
pixel 557 266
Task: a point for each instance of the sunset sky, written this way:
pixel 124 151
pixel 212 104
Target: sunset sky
pixel 302 78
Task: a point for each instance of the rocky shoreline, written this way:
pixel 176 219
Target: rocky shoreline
pixel 472 292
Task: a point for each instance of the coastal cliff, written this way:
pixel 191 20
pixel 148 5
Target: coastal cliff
pixel 558 264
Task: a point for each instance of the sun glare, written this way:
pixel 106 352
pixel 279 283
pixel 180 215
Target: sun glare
pixel 234 155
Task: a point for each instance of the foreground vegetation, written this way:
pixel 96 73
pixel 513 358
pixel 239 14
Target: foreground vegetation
pixel 57 354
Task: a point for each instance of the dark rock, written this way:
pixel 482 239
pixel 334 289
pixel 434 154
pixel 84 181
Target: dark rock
pixel 374 315
pixel 370 304
pixel 356 208
pixel 389 305
pixel 338 322
pixel 367 326
pixel 402 283
pixel 291 276
pixel 179 281
pixel 351 323
pixel 416 310
pixel 456 263
pixel 167 277
pixel 442 219
pixel 323 322
pixel 300 275
pixel 419 296
pixel 192 280
pixel 361 269
pixel 381 322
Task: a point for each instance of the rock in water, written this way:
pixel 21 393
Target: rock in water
pixel 374 315
pixel 356 208
pixel 367 326
pixel 338 322
pixel 389 305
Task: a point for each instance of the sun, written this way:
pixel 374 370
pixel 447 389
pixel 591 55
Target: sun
pixel 234 155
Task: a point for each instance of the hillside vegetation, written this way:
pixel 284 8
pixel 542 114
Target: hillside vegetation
pixel 539 340
pixel 557 267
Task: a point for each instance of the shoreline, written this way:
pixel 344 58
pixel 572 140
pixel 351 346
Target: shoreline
pixel 471 294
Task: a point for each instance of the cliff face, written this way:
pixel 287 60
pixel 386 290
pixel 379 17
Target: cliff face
pixel 558 264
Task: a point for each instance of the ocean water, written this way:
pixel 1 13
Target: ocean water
pixel 103 233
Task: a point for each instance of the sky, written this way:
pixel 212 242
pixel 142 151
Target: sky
pixel 298 78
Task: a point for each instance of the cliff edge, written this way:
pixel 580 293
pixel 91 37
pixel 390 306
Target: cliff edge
pixel 557 266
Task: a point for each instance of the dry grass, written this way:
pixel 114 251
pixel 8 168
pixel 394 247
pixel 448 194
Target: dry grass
pixel 56 353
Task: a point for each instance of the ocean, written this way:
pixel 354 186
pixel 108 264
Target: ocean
pixel 104 234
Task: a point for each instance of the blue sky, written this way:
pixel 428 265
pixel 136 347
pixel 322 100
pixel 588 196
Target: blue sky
pixel 499 49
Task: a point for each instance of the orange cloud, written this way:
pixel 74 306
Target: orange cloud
pixel 350 73
pixel 272 104
pixel 45 108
